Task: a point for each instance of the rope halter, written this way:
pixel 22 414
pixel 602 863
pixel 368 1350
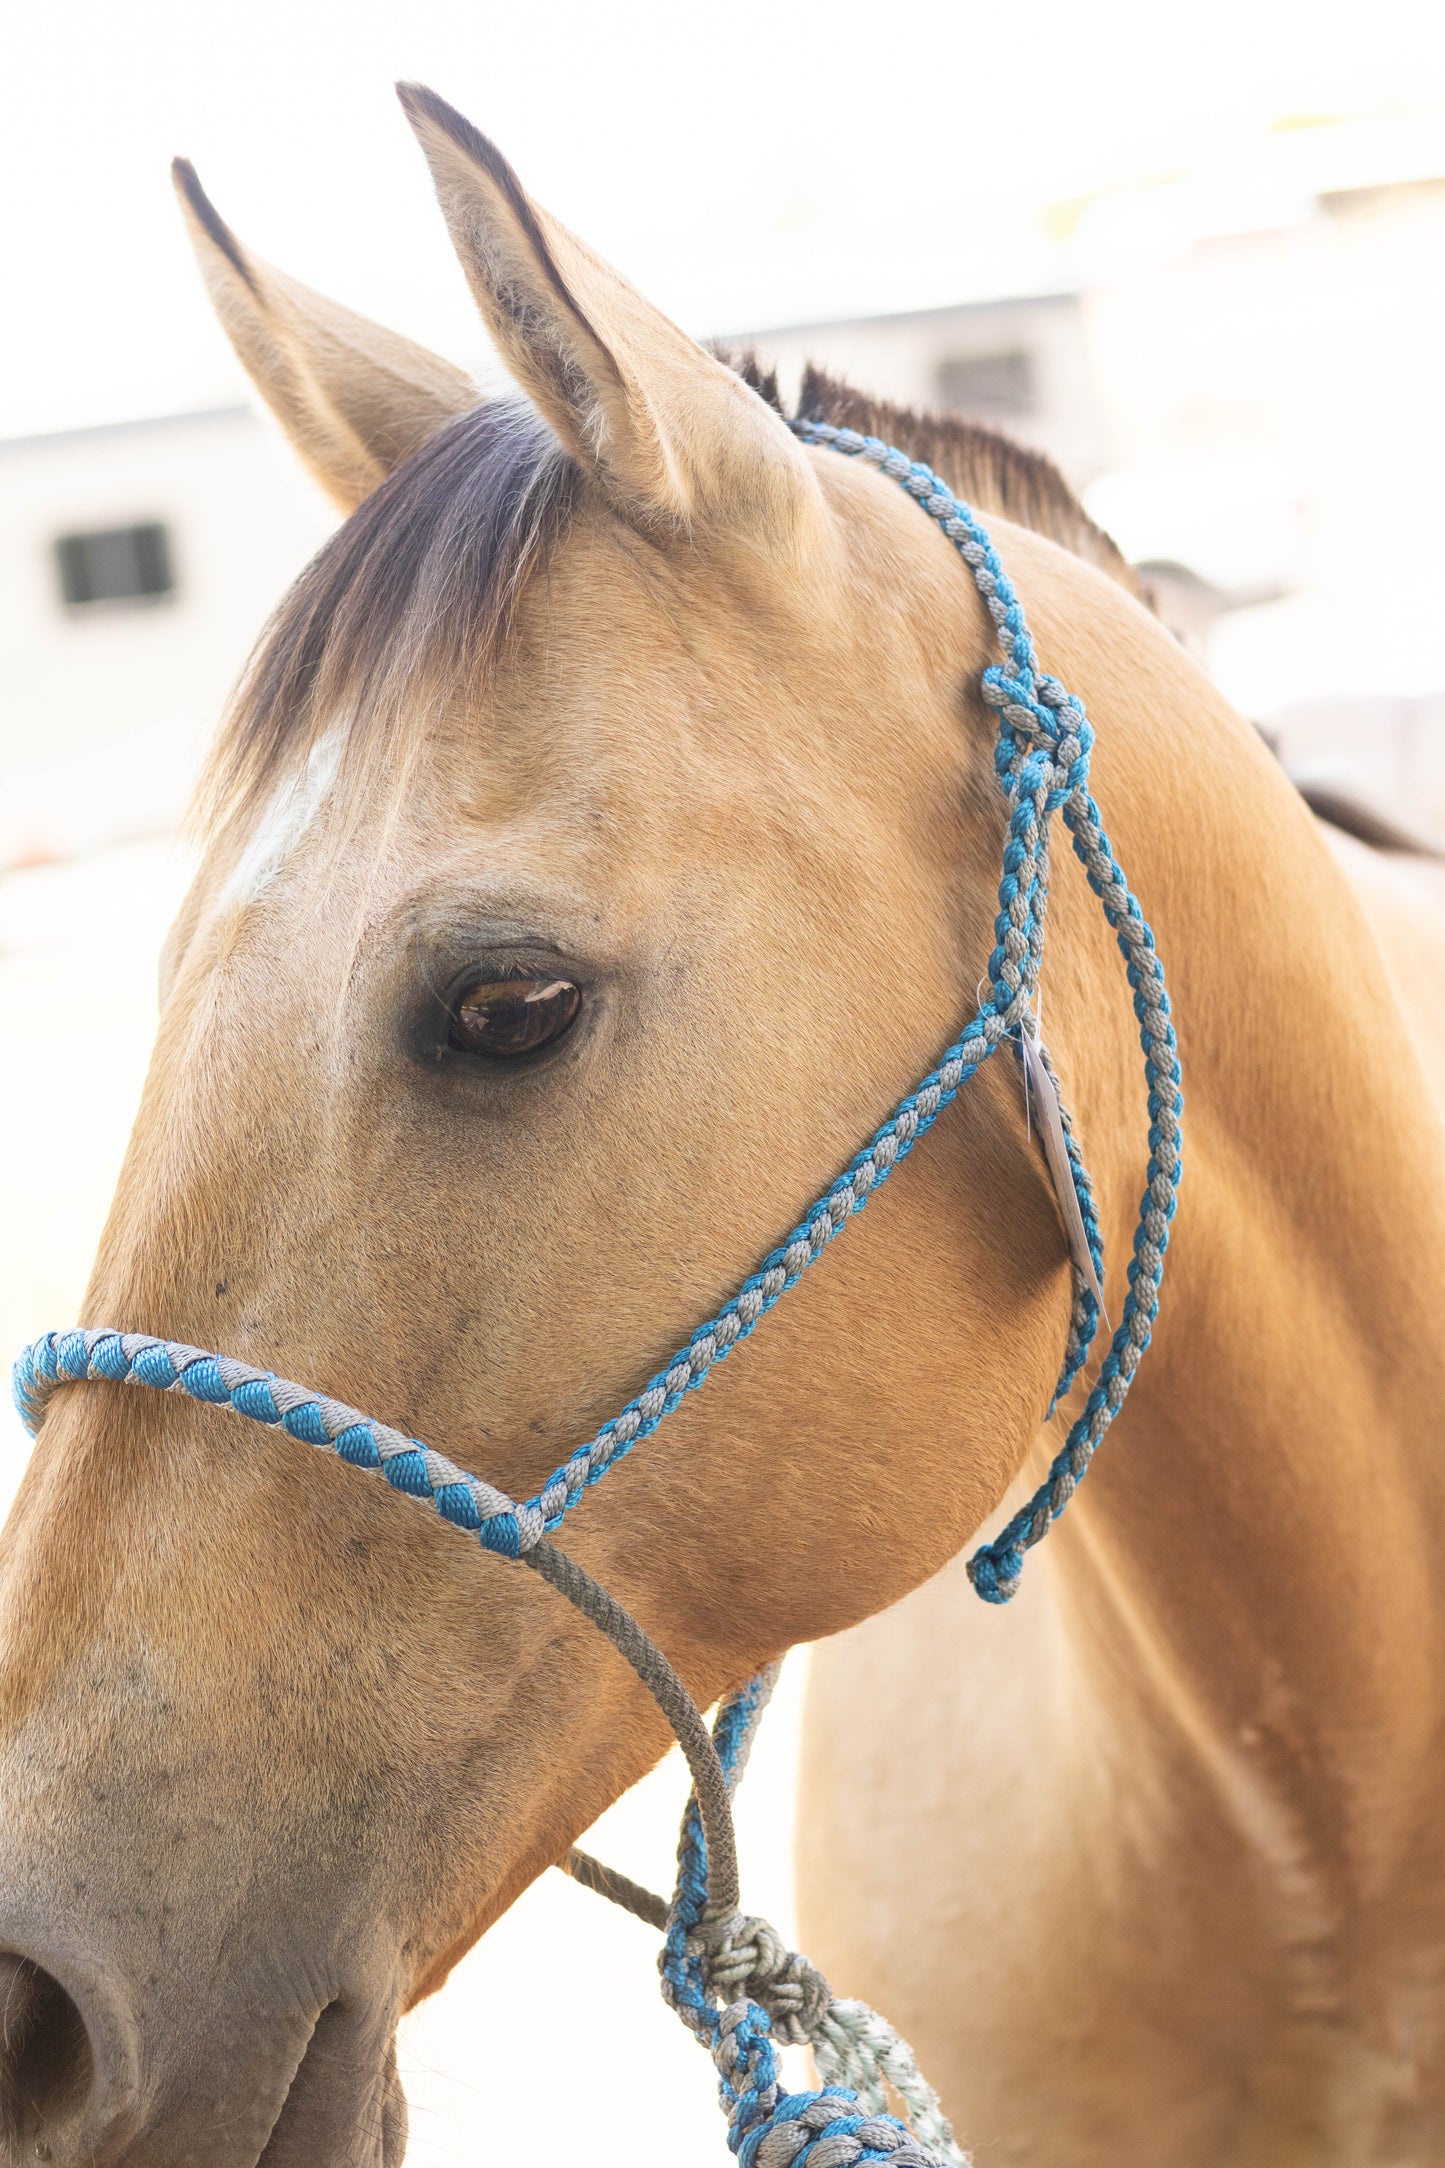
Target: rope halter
pixel 729 1977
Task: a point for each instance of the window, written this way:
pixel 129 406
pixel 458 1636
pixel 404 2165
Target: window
pixel 993 386
pixel 115 564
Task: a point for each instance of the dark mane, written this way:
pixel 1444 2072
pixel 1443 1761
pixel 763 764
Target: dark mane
pixel 414 592
pixel 992 472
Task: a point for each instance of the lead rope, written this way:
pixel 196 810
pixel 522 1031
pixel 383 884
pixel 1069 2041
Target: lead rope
pixel 711 1950
pixel 731 1978
pixel 734 1983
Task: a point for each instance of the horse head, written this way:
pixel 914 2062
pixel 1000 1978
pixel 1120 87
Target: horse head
pixel 604 837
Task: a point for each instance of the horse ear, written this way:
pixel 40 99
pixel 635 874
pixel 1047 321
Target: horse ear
pixel 354 398
pixel 669 430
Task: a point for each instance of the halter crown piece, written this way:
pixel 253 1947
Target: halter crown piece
pixel 728 1977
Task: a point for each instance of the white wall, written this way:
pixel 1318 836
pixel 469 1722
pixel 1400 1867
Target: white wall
pixel 1278 395
pixel 103 711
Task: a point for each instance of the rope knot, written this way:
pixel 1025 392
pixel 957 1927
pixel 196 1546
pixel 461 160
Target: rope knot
pixel 996 1569
pixel 745 1959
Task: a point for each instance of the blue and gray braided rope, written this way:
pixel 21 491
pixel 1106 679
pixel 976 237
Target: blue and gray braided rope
pixel 1042 761
pixel 741 1992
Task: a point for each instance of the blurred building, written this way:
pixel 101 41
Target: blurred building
pixel 1021 364
pixel 1236 365
pixel 137 563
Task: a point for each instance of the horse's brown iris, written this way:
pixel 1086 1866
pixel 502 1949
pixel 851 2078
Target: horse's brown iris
pixel 507 1017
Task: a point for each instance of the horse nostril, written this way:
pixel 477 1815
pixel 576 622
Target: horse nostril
pixel 46 2067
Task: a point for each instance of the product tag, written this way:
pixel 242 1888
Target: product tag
pixel 1040 1086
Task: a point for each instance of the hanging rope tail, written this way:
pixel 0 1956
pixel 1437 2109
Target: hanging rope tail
pixel 729 1977
pixel 734 1983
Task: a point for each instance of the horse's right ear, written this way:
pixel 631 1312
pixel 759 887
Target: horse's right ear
pixel 354 398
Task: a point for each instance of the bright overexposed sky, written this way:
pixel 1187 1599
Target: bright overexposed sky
pixel 902 153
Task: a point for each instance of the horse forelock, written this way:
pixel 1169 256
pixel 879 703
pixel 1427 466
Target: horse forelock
pixel 413 594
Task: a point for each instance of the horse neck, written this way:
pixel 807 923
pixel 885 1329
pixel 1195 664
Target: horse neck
pixel 1266 1524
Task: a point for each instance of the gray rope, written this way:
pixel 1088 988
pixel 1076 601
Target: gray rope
pixel 747 1958
pixel 604 1881
pixel 743 1964
pixel 672 1697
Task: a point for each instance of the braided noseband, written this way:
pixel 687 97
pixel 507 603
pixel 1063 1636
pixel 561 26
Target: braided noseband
pixel 729 1978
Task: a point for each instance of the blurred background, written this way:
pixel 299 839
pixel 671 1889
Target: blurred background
pixel 1196 254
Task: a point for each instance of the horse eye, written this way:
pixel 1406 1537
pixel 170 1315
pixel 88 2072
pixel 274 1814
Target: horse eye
pixel 507 1017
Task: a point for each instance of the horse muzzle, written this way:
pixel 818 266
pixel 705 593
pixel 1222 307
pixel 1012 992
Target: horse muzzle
pixel 95 2070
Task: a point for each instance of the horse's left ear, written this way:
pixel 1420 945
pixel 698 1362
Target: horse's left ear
pixel 670 432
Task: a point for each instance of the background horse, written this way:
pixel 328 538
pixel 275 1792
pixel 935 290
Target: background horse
pixel 605 837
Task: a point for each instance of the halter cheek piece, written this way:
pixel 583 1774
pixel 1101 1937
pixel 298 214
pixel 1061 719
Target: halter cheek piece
pixel 729 1978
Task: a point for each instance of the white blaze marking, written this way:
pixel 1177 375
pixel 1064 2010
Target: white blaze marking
pixel 284 822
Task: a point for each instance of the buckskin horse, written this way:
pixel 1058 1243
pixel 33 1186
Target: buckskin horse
pixel 603 838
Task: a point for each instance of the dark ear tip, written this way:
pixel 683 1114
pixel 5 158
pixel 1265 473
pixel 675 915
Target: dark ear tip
pixel 420 103
pixel 424 108
pixel 188 187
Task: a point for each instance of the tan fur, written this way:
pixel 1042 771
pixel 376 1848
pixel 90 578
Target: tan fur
pixel 1149 1864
